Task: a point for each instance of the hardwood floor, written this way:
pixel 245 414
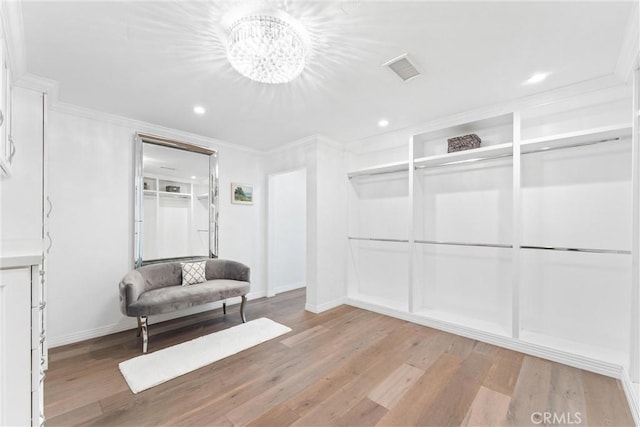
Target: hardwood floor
pixel 344 367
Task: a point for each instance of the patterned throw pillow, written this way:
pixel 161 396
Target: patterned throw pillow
pixel 193 272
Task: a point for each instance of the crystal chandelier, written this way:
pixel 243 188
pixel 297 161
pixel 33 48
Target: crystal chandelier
pixel 267 48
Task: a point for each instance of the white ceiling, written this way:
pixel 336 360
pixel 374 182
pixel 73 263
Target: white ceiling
pixel 153 61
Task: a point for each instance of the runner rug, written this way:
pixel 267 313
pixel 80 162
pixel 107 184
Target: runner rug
pixel 155 368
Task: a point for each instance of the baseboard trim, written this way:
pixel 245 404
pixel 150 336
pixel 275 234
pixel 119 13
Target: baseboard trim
pixel 631 390
pixel 566 358
pixel 127 323
pixel 319 308
pixel 290 287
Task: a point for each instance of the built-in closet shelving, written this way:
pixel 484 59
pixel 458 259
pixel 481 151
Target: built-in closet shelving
pixel 525 241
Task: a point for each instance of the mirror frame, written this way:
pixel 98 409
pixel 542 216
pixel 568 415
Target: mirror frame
pixel 138 226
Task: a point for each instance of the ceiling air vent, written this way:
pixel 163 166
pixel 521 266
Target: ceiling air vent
pixel 403 68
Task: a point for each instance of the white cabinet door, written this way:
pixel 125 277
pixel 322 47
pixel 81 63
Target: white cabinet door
pixel 15 346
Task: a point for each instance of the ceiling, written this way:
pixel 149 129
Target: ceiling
pixel 153 61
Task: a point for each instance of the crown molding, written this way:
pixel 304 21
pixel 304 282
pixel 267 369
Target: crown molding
pixel 630 46
pixel 40 84
pixel 13 31
pixel 326 141
pixel 305 142
pixel 141 126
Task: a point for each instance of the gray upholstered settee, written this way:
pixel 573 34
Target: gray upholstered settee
pixel 157 288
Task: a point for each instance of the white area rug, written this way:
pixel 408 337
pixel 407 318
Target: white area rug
pixel 155 368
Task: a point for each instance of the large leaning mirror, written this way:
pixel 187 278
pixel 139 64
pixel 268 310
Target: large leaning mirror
pixel 176 200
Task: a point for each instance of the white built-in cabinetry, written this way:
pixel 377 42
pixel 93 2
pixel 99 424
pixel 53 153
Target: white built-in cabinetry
pixel 22 336
pixel 524 242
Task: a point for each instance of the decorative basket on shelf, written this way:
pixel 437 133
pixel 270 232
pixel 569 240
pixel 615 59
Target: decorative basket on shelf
pixel 172 189
pixel 464 142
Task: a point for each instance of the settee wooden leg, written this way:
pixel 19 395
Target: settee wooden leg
pixel 242 304
pixel 224 307
pixel 139 326
pixel 145 332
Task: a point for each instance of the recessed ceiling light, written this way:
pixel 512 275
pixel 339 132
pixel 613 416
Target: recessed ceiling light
pixel 198 110
pixel 193 177
pixel 383 123
pixel 536 78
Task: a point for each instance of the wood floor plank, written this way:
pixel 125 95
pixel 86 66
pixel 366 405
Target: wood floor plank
pixel 282 416
pixel 77 416
pixel 461 347
pixel 408 411
pixel 484 348
pixel 81 390
pixel 504 372
pixel 391 390
pixel 364 413
pixel 308 334
pixel 489 408
pixel 429 350
pixel 531 393
pixel 604 399
pixel 566 394
pixel 458 395
pixel 323 374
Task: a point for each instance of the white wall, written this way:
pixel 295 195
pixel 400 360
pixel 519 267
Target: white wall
pixel 21 202
pixel 287 241
pixel 331 225
pixel 91 188
pixel 325 163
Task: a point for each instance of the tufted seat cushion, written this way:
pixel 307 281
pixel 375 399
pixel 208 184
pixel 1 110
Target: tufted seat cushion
pixel 173 298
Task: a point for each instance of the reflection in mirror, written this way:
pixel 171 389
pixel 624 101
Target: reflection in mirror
pixel 176 200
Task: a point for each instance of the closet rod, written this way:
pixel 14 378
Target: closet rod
pixel 578 144
pixel 594 251
pixel 459 162
pixel 377 173
pixel 374 239
pixel 484 245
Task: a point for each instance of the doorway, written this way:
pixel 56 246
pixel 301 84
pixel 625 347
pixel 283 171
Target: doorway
pixel 287 231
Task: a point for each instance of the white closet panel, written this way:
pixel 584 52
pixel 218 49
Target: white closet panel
pixel 577 302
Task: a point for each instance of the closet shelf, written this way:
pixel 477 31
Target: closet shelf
pixel 587 250
pixel 167 194
pixel 576 139
pixel 484 245
pixel 380 170
pixel 376 239
pixel 203 196
pixel 466 156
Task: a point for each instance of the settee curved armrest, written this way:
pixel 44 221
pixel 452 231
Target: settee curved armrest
pixel 131 286
pixel 227 269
